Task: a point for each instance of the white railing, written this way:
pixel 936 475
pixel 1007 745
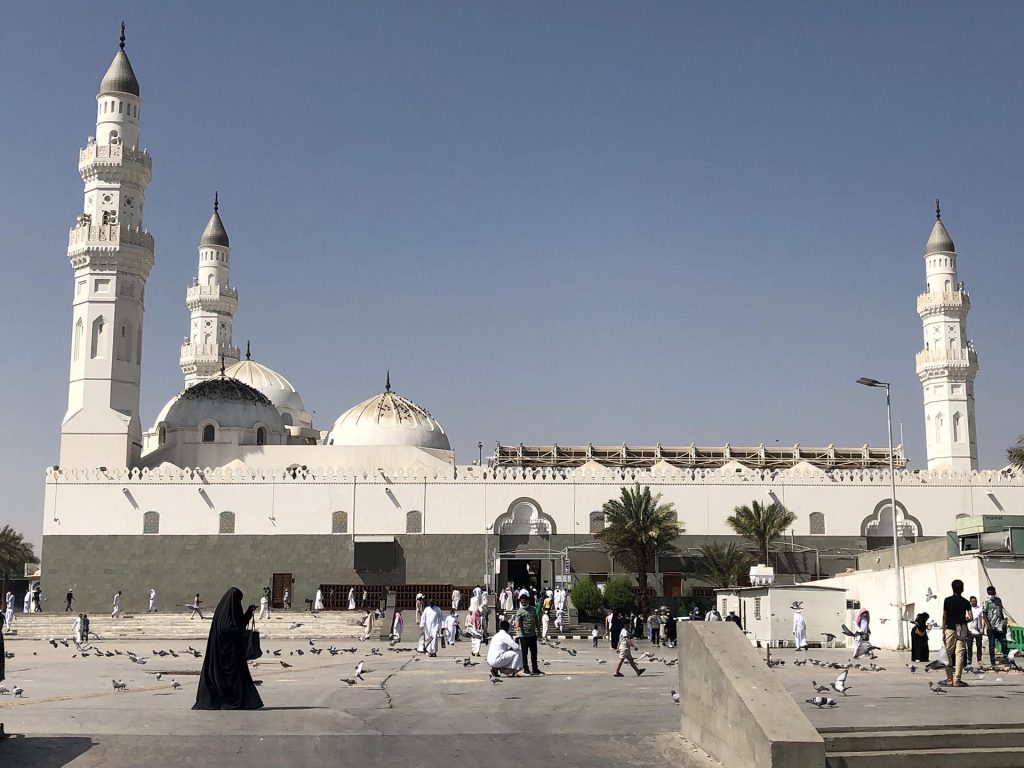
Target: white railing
pixel 207 352
pixel 210 291
pixel 114 154
pixel 113 234
pixel 948 356
pixel 952 298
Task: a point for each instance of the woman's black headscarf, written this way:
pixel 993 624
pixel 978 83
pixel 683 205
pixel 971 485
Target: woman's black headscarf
pixel 225 682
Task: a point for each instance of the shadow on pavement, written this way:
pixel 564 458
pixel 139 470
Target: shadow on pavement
pixel 43 751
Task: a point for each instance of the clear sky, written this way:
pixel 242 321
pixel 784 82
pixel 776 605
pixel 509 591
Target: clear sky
pixel 607 222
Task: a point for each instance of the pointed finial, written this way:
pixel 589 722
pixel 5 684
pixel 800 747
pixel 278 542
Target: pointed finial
pixel 938 210
pixel 247 352
pixel 387 384
pixel 122 35
pixel 216 203
pixel 222 365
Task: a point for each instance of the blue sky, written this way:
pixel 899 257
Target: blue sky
pixel 571 222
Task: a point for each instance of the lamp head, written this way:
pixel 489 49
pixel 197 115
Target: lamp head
pixel 869 382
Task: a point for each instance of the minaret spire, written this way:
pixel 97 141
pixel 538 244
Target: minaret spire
pixel 387 384
pixel 248 352
pixel 121 46
pixel 938 210
pixel 216 203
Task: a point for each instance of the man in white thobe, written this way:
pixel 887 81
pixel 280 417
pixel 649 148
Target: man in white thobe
pixel 264 606
pixel 27 602
pixel 451 626
pixel 9 614
pixel 456 599
pixel 116 611
pixel 799 629
pixel 503 652
pixel 318 601
pixel 430 623
pixel 152 601
pixel 352 598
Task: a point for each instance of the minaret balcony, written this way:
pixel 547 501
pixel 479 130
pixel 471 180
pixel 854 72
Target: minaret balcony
pixel 208 353
pixel 936 301
pixel 97 158
pixel 214 298
pixel 953 358
pixel 89 241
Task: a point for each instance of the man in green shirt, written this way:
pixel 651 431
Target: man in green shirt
pixel 526 633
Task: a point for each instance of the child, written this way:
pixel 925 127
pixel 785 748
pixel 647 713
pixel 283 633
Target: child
pixel 625 648
pixel 594 635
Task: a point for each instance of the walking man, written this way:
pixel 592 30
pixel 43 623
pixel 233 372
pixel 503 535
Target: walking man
pixel 152 601
pixel 195 607
pixel 975 627
pixel 10 610
pixel 115 613
pixel 286 601
pixel 625 648
pixel 956 614
pixel 69 598
pixel 265 604
pixel 430 623
pixel 526 633
pixel 994 624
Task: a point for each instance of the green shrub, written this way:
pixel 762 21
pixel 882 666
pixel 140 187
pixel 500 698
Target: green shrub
pixel 586 597
pixel 619 595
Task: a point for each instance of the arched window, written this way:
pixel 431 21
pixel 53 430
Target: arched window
pixel 227 522
pixel 138 347
pixel 956 427
pixel 151 523
pixel 597 521
pixel 949 285
pixel 261 436
pixel 816 521
pixel 79 332
pixel 339 522
pixel 209 279
pixel 286 419
pixel 209 433
pixel 98 342
pixel 938 428
pixel 162 436
pixel 414 522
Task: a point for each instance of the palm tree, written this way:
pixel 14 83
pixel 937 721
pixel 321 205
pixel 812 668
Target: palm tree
pixel 722 564
pixel 638 528
pixel 760 523
pixel 1016 454
pixel 14 553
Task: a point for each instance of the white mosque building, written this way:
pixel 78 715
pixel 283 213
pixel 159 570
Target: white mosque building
pixel 233 483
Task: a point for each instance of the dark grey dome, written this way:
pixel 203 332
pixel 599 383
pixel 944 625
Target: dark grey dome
pixel 120 76
pixel 215 234
pixel 939 241
pixel 224 388
pixel 229 402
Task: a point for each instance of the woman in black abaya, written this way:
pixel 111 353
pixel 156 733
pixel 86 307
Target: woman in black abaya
pixel 225 682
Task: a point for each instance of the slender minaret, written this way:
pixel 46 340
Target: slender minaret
pixel 948 364
pixel 212 302
pixel 111 255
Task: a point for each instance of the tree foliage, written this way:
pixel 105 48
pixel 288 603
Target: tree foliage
pixel 761 523
pixel 619 595
pixel 638 528
pixel 586 597
pixel 14 552
pixel 722 564
pixel 1016 453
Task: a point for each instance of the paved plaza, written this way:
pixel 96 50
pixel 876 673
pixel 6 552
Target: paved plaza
pixel 410 710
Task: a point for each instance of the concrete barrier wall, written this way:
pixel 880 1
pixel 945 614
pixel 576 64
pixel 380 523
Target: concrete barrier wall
pixel 735 708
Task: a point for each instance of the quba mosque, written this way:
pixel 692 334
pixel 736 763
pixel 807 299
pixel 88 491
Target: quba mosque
pixel 233 483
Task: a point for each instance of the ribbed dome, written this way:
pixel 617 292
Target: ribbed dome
pixel 120 76
pixel 227 401
pixel 388 419
pixel 276 387
pixel 939 241
pixel 215 234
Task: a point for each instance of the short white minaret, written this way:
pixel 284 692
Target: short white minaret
pixel 111 255
pixel 948 364
pixel 212 302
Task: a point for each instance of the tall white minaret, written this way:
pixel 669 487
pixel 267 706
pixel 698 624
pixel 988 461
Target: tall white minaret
pixel 212 302
pixel 948 364
pixel 111 255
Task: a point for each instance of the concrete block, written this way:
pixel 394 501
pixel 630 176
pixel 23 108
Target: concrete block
pixel 735 708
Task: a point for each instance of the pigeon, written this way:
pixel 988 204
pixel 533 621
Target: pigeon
pixel 675 697
pixel 1011 658
pixel 819 688
pixel 18 691
pixel 52 642
pixel 175 684
pixel 602 661
pixel 348 681
pixel 171 652
pixel 821 701
pixel 4 691
pixel 119 686
pixel 934 688
pixel 277 652
pixel 933 665
pixel 840 686
pixel 300 652
pixel 799 663
pixel 285 664
pixel 359 670
pixel 159 675
pixel 797 605
pixel 468 663
pixel 929 595
pixel 846 631
pixel 257 682
pixel 912 668
pixel 570 651
pixel 311 642
pixel 65 643
pixel 883 620
pixel 295 625
pixel 375 652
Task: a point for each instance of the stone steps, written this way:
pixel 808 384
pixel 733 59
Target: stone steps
pixel 174 626
pixel 1000 746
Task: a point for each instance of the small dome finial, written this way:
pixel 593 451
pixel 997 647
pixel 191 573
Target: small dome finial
pixel 222 365
pixel 387 384
pixel 247 352
pixel 122 35
pixel 216 203
pixel 938 210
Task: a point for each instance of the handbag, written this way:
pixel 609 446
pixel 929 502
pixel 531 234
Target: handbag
pixel 251 639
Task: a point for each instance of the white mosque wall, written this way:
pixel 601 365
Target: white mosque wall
pixel 463 500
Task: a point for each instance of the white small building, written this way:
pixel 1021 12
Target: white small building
pixel 767 612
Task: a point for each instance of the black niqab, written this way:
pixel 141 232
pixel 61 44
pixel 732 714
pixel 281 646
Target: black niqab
pixel 225 682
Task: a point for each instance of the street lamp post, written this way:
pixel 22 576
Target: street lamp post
pixel 895 529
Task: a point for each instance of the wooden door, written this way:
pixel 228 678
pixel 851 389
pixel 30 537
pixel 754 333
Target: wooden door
pixel 280 583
